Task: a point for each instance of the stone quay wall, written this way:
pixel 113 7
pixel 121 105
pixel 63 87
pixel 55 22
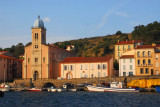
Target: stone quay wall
pixel 59 83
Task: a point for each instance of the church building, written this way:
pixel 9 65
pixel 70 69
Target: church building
pixel 41 61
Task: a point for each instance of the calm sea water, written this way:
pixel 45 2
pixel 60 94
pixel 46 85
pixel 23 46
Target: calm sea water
pixel 79 99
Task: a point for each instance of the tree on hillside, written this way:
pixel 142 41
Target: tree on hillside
pixel 118 33
pixel 149 33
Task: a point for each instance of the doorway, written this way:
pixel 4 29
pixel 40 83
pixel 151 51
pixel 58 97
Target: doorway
pixel 35 75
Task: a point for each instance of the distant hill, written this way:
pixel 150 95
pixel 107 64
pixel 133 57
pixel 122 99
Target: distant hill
pixel 94 46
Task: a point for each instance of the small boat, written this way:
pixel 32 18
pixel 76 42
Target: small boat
pixel 5 87
pixel 69 87
pixel 157 89
pixel 114 87
pixel 54 89
pixel 34 89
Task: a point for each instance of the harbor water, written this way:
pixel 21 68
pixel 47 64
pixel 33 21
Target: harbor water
pixel 79 99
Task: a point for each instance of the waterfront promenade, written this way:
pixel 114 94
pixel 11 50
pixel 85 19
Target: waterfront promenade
pixel 58 83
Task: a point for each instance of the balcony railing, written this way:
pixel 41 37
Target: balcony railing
pixel 144 56
pixel 145 65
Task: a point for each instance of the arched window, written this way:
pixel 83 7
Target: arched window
pixel 37 35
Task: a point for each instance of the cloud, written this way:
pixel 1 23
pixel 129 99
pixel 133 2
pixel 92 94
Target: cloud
pixel 46 19
pixel 123 14
pixel 106 16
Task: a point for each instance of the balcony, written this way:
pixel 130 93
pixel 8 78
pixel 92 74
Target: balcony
pixel 144 56
pixel 144 65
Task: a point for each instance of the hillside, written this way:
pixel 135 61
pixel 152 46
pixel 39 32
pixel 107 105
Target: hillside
pixel 95 46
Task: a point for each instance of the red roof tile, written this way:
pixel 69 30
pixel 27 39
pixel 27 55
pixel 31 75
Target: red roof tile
pixel 86 59
pixel 128 42
pixel 127 56
pixel 144 46
pixel 8 57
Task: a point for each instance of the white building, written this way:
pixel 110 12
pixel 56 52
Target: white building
pixel 127 65
pixel 86 67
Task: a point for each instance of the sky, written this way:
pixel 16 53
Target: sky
pixel 73 19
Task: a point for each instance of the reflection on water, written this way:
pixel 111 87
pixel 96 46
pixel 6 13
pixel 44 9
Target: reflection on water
pixel 79 99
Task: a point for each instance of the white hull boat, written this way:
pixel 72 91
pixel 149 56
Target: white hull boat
pixel 110 89
pixel 4 89
pixel 114 87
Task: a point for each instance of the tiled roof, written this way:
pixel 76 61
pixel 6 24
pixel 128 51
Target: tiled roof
pixel 144 46
pixel 8 57
pixel 86 59
pixel 128 42
pixel 127 56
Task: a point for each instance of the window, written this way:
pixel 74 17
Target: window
pixel 65 67
pixel 143 53
pixel 36 36
pixel 156 72
pixel 124 60
pixel 130 67
pixel 86 67
pixel 141 70
pixel 149 62
pixel 124 67
pixel 71 67
pixel 118 48
pixel 123 47
pixel 138 54
pixel 129 47
pixel 130 60
pixel 156 57
pixel 124 73
pixel 81 67
pixel 138 62
pixel 144 62
pixel 92 66
pixel 28 60
pixel 157 64
pixel 99 66
pixel 130 73
pixel 147 71
pixel 44 59
pixel 104 66
pixel 36 59
pixel 119 54
pixel 149 53
pixel 36 46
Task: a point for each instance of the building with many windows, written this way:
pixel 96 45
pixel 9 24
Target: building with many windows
pixel 144 59
pixel 127 65
pixel 10 68
pixel 40 59
pixel 124 46
pixel 86 67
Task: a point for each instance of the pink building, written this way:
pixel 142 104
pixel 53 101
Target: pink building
pixel 10 68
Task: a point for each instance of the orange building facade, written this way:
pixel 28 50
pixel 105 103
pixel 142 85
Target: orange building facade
pixel 41 60
pixel 10 68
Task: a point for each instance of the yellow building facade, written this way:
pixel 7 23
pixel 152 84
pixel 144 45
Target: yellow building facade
pixel 144 59
pixel 124 46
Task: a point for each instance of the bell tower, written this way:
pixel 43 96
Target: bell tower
pixel 38 33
